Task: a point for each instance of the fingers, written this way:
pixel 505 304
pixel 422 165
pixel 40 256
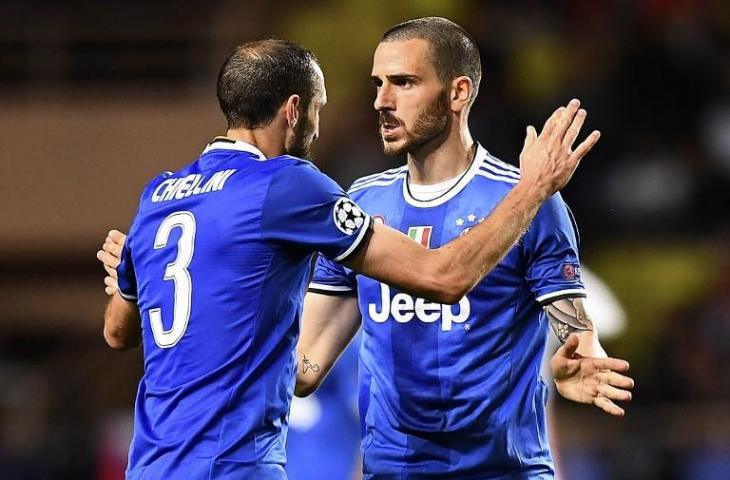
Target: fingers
pixel 117 236
pixel 530 136
pixel 608 406
pixel 618 380
pixel 614 393
pixel 110 285
pixel 574 129
pixel 614 364
pixel 107 259
pixel 112 247
pixel 585 146
pixel 549 126
pixel 565 120
pixel 571 345
pixel 112 272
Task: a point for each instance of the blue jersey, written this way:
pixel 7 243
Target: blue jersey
pixel 217 259
pixel 454 390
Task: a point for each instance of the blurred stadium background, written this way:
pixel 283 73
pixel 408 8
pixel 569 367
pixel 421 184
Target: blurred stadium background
pixel 96 97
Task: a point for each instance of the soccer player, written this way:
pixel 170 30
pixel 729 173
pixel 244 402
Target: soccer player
pixel 213 273
pixel 453 391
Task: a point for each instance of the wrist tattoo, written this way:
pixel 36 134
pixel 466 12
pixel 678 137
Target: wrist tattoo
pixel 566 316
pixel 308 365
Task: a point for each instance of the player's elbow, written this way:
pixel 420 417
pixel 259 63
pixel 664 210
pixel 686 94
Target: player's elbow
pixel 451 294
pixel 120 340
pixel 305 388
pixel 446 286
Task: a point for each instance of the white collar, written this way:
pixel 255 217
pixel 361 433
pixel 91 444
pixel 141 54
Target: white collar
pixel 225 143
pixel 481 154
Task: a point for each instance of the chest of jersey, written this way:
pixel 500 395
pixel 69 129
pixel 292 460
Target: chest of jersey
pixel 434 227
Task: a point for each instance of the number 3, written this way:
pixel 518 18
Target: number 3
pixel 176 271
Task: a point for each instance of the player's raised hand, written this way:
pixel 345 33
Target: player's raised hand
pixel 548 159
pixel 109 256
pixel 591 380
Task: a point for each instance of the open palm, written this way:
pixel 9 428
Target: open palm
pixel 588 380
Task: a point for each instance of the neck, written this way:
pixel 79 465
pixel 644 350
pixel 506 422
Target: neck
pixel 442 158
pixel 265 139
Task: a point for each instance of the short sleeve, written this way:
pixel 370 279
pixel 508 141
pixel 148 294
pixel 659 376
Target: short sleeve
pixel 551 249
pixel 126 278
pixel 331 278
pixel 306 209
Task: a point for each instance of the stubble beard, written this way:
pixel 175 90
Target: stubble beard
pixel 301 145
pixel 429 124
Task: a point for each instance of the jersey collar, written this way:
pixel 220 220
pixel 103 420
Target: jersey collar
pixel 481 154
pixel 225 143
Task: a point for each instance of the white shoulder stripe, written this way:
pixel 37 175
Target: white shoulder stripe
pixel 375 176
pixel 329 288
pixel 498 171
pixel 377 183
pixel 483 173
pixel 570 291
pixel 499 163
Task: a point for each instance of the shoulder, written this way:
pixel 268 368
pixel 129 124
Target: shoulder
pixel 294 169
pixel 295 179
pixel 495 171
pixel 377 181
pixel 154 183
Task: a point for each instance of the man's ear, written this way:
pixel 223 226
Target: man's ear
pixel 292 111
pixel 462 90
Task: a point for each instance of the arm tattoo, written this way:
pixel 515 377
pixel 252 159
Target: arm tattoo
pixel 308 365
pixel 566 316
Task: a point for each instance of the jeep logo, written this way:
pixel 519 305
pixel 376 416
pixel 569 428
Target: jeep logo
pixel 403 308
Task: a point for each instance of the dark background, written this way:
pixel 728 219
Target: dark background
pixel 96 97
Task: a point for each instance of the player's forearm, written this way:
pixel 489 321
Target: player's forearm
pixel 465 261
pixel 310 374
pixel 122 330
pixel 328 325
pixel 590 346
pixel 569 315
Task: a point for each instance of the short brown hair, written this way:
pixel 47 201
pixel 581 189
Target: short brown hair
pixel 259 76
pixel 454 52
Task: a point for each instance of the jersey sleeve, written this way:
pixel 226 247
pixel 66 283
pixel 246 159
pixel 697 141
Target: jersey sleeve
pixel 126 277
pixel 306 209
pixel 551 250
pixel 331 278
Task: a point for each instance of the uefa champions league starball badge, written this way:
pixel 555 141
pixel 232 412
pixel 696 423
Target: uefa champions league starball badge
pixel 347 216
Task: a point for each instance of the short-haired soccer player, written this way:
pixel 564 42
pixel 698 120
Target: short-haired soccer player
pixel 453 391
pixel 214 270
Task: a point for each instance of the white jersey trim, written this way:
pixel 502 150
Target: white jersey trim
pixel 378 176
pixel 473 170
pixel 486 174
pixel 129 298
pixel 378 182
pixel 330 288
pixel 559 293
pixel 487 165
pixel 357 242
pixel 238 145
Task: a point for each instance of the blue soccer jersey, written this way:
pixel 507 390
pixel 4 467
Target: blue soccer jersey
pixel 217 259
pixel 453 391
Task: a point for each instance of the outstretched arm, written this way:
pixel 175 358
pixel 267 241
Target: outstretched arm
pixel 328 324
pixel 446 274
